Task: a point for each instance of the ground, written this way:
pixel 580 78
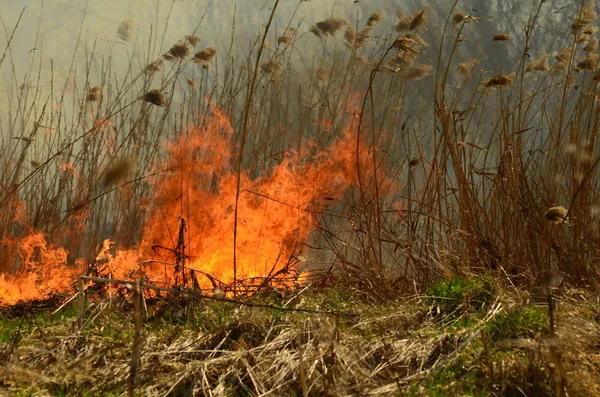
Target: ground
pixel 465 336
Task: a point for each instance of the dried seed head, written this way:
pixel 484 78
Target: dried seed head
pixel 287 38
pixel 499 80
pixel 357 40
pixel 540 64
pixel 317 32
pixel 405 43
pixel 155 66
pixel 350 36
pixel 117 172
pixel 420 19
pixel 414 21
pixel 331 26
pixel 322 74
pixel 459 18
pixel 271 66
pixel 180 50
pixel 592 45
pixel 590 62
pixel 155 97
pixel 418 72
pixel 205 56
pixel 402 60
pixel 374 19
pixel 94 94
pixel 192 39
pixel 557 214
pixel 466 68
pixel 501 37
pixel 191 82
pixel 586 16
pixel 125 30
pixel 564 55
pixel 418 39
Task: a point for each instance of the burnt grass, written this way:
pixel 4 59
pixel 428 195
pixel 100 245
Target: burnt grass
pixel 465 336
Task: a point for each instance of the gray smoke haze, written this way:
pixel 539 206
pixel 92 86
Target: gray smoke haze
pixel 54 26
pixel 67 35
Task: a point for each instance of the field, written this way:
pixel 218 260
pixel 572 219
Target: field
pixel 388 205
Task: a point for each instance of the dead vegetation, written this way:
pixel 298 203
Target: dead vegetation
pixel 445 166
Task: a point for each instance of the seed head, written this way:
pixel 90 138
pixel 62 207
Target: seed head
pixel 586 16
pixel 499 80
pixel 540 64
pixel 374 19
pixel 94 94
pixel 466 68
pixel 117 172
pixel 125 30
pixel 459 18
pixel 155 97
pixel 205 56
pixel 557 214
pixel 501 37
pixel 419 72
pixel 155 66
pixel 180 50
pixel 329 26
pixel 590 62
pixel 192 39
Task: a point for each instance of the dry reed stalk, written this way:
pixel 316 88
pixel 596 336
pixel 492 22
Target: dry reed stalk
pixel 136 349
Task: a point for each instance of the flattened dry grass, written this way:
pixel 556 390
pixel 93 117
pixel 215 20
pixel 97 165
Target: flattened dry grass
pixel 400 347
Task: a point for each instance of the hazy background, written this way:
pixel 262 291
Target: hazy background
pixel 54 26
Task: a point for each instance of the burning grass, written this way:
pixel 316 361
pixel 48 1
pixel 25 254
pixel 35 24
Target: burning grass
pixel 391 166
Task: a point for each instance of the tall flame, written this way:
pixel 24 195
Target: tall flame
pixel 276 213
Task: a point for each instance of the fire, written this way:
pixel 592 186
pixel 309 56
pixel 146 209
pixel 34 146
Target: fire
pixel 192 216
pixel 43 272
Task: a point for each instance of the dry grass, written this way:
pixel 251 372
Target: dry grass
pixel 462 148
pixel 214 348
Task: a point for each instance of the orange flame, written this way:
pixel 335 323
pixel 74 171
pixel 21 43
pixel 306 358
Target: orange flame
pixel 43 272
pixel 277 211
